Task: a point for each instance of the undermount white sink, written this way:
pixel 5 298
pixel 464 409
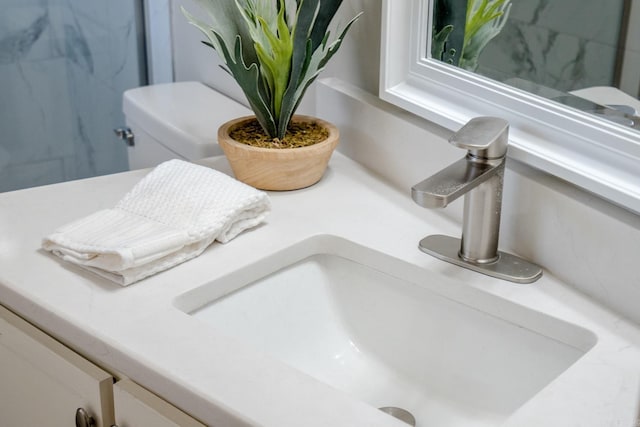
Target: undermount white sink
pixel 390 333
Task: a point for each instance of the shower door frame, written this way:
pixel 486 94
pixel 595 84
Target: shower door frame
pixel 158 41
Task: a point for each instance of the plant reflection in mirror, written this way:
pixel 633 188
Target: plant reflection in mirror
pixel 459 38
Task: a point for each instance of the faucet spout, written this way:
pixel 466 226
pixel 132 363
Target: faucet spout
pixel 479 176
pixel 454 181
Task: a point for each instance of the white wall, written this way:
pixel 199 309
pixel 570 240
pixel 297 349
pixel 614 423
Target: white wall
pixel 357 62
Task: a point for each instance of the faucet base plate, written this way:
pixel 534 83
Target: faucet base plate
pixel 507 267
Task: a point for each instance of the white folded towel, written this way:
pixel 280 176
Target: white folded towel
pixel 169 217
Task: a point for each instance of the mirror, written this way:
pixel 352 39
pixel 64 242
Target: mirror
pixel 549 130
pixel 581 53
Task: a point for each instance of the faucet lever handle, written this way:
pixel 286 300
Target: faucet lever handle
pixel 484 137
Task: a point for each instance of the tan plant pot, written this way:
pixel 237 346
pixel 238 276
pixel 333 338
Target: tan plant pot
pixel 274 168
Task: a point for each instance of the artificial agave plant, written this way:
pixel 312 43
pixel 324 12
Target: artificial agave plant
pixel 273 48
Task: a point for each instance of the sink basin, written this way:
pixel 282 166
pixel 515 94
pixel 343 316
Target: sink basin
pixel 390 333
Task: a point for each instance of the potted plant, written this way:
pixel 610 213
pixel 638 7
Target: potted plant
pixel 274 49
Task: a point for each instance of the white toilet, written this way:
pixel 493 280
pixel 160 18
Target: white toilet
pixel 175 121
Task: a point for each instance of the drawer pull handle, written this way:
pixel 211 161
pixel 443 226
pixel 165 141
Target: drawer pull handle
pixel 83 419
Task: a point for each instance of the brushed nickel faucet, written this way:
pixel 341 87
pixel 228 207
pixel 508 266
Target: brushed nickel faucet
pixel 479 176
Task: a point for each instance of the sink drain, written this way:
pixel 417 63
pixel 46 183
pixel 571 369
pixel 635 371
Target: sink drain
pixel 401 414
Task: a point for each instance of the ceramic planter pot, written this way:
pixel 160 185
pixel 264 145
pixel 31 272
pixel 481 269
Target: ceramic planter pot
pixel 274 168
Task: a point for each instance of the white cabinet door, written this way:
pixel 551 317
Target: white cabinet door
pixel 137 407
pixel 43 383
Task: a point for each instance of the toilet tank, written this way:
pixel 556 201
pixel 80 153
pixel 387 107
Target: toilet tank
pixel 176 121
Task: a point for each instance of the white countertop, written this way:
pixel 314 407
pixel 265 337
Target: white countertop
pixel 139 332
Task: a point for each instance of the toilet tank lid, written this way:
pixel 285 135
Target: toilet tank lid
pixel 183 116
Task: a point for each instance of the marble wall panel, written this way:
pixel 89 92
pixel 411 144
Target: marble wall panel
pixel 566 45
pixel 16 177
pixel 98 109
pixel 594 20
pixel 630 80
pixel 557 60
pixel 631 74
pixel 65 65
pixel 124 46
pixel 22 32
pixel 35 115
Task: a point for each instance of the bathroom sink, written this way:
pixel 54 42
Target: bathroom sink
pixel 390 333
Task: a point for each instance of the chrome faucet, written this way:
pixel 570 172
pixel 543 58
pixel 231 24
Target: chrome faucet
pixel 479 177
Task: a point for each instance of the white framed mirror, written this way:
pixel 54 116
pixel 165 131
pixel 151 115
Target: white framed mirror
pixel 587 150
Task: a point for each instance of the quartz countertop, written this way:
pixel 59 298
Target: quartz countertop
pixel 137 331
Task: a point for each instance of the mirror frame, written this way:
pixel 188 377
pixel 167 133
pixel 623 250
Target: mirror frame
pixel 590 152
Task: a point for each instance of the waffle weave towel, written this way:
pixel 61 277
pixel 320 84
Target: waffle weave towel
pixel 169 217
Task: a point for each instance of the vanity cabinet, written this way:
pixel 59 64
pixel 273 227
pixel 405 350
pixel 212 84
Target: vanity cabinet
pixel 44 383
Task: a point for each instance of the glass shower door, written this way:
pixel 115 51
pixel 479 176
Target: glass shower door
pixel 64 65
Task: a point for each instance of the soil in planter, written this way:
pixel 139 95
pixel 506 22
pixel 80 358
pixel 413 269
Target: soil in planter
pixel 299 134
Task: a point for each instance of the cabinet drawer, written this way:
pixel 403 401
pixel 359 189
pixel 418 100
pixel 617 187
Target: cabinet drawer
pixel 43 383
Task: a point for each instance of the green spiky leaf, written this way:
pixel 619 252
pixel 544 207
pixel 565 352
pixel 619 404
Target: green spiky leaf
pixel 273 48
pixel 485 20
pixel 458 38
